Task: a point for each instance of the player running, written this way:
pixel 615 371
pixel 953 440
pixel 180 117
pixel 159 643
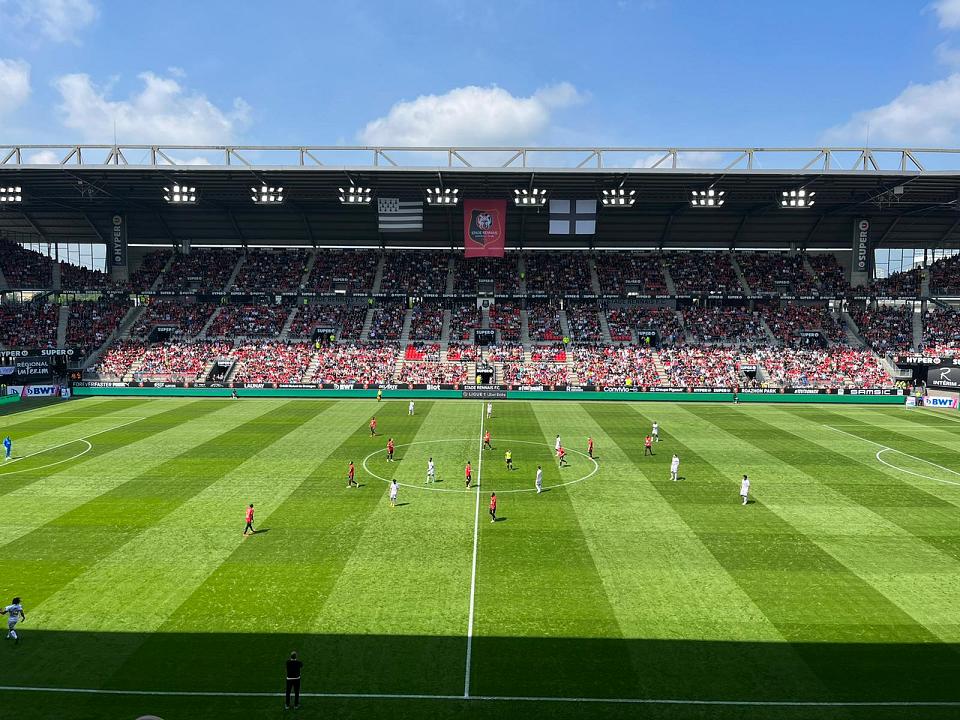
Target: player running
pixel 390 449
pixel 539 480
pixel 674 467
pixel 556 445
pixel 656 431
pixel 7 447
pixel 486 441
pixel 647 446
pixel 410 408
pixel 373 426
pixel 590 447
pixel 14 613
pixel 249 518
pixel 431 472
pixel 468 474
pixel 745 489
pixel 351 476
pixel 493 507
pixel 394 488
pixel 508 458
pixel 562 455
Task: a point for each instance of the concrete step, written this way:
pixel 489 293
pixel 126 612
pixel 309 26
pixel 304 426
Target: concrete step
pixel 445 329
pixel 367 323
pixel 744 285
pixel 668 278
pixel 285 331
pixel 378 275
pixel 236 271
pixel 62 319
pixel 405 332
pixel 208 323
pixel 605 327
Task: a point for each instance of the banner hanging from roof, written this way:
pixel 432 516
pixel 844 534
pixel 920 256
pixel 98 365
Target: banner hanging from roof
pixel 484 228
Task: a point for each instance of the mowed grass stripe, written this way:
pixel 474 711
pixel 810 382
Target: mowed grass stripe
pixel 37 430
pixel 536 579
pixel 49 557
pixel 25 415
pixel 41 496
pixel 911 574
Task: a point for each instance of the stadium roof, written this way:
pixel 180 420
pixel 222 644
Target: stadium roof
pixel 910 195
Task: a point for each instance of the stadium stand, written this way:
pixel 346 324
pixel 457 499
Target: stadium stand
pixel 91 322
pixel 248 321
pixel 544 323
pixel 387 322
pixel 724 325
pixel 945 276
pixel 415 273
pixel 204 268
pixel 24 268
pixel 710 272
pixel 836 367
pixel 503 273
pixel 271 271
pixel 790 320
pixel 361 363
pixel 348 318
pixel 941 332
pixel 189 318
pixel 343 271
pixel 616 366
pixel 29 325
pixel 464 319
pixel 776 274
pixel 426 322
pixel 271 362
pixel 623 272
pixel 557 273
pixel 830 276
pixel 505 317
pixel 887 328
pixel 584 323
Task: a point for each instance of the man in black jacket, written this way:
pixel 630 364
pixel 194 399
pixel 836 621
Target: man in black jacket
pixel 294 668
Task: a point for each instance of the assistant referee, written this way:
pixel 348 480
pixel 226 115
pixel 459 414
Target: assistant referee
pixel 294 668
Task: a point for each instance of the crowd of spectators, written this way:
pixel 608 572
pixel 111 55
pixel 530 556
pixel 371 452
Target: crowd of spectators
pixel 823 368
pixel 788 322
pixel 92 322
pixel 275 271
pixel 24 269
pixel 557 273
pixel 541 372
pixel 945 276
pixel 886 329
pixel 832 278
pixel 584 323
pixel 904 284
pixel 704 367
pixel 347 270
pixel 347 319
pixel 206 269
pixel 360 363
pixel 623 321
pixel 723 325
pixel 427 352
pixel 176 362
pixel 188 317
pixel 457 352
pixel 426 322
pixel 119 358
pixel 415 273
pixel 468 273
pixel 387 322
pixel 612 366
pixel 464 319
pixel 702 272
pixel 619 272
pixel 433 373
pixel 776 273
pixel 543 323
pixel 248 321
pixel 151 265
pixel 505 317
pixel 502 353
pixel 941 332
pixel 29 325
pixel 78 277
pixel 272 362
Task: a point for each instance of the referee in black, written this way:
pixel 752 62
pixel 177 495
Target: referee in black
pixel 294 668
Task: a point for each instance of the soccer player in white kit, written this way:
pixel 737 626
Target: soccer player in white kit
pixel 410 408
pixel 14 613
pixel 539 482
pixel 674 467
pixel 556 445
pixel 745 488
pixel 431 472
pixel 394 488
pixel 656 432
pixel 489 410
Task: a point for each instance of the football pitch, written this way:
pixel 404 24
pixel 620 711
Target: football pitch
pixel 615 593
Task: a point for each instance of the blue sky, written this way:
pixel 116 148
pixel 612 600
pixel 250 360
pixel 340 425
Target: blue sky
pixel 634 72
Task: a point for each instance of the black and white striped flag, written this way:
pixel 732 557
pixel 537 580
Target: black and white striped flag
pixel 573 217
pixel 397 215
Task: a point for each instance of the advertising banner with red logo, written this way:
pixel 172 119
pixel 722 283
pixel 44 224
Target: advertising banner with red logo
pixel 484 227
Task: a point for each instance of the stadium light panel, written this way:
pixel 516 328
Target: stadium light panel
pixel 796 199
pixel 443 196
pixel 12 194
pixel 530 198
pixel 180 194
pixel 267 195
pixel 707 198
pixel 354 195
pixel 618 198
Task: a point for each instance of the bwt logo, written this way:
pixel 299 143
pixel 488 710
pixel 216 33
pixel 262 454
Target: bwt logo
pixel 41 390
pixel 941 402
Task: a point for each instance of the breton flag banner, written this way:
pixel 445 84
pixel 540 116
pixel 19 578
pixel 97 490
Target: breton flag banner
pixel 397 215
pixel 484 228
pixel 573 217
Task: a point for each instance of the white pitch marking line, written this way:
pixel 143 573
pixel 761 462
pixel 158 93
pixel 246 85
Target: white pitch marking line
pixel 473 573
pixel 886 448
pixel 50 465
pixel 71 442
pixel 493 698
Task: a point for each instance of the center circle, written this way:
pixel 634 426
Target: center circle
pixel 366 468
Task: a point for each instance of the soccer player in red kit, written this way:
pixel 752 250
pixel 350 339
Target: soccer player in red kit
pixel 562 454
pixel 351 472
pixel 486 441
pixel 590 447
pixel 373 426
pixel 468 473
pixel 493 507
pixel 647 446
pixel 390 450
pixel 249 517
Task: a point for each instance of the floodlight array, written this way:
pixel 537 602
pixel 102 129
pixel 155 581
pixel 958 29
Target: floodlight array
pixel 618 198
pixel 12 194
pixel 354 195
pixel 530 198
pixel 706 198
pixel 267 195
pixel 443 196
pixel 180 195
pixel 796 199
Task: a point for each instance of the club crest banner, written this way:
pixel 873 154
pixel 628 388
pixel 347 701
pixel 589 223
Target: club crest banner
pixel 484 228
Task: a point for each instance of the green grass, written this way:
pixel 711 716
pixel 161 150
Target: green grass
pixel 121 530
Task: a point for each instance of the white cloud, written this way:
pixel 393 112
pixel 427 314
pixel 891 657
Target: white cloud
pixel 948 13
pixel 471 116
pixel 690 159
pixel 161 112
pixel 45 157
pixel 923 114
pixel 14 84
pixel 56 20
pixel 948 55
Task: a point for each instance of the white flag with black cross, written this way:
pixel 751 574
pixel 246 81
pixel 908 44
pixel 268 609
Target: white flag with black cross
pixel 573 217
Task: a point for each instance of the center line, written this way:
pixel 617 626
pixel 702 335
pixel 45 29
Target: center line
pixel 473 575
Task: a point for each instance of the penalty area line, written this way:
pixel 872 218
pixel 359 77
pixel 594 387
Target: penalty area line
pixel 490 698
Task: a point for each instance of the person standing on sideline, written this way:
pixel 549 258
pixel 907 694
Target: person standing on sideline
pixel 394 489
pixel 294 670
pixel 745 489
pixel 249 525
pixel 373 426
pixel 410 408
pixel 351 476
pixel 468 473
pixel 539 481
pixel 14 613
pixel 493 507
pixel 656 431
pixel 390 448
pixel 647 446
pixel 7 447
pixel 590 447
pixel 379 394
pixel 489 410
pixel 674 467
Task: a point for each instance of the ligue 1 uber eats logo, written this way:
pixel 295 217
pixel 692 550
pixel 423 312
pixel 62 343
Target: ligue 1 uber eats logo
pixel 484 226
